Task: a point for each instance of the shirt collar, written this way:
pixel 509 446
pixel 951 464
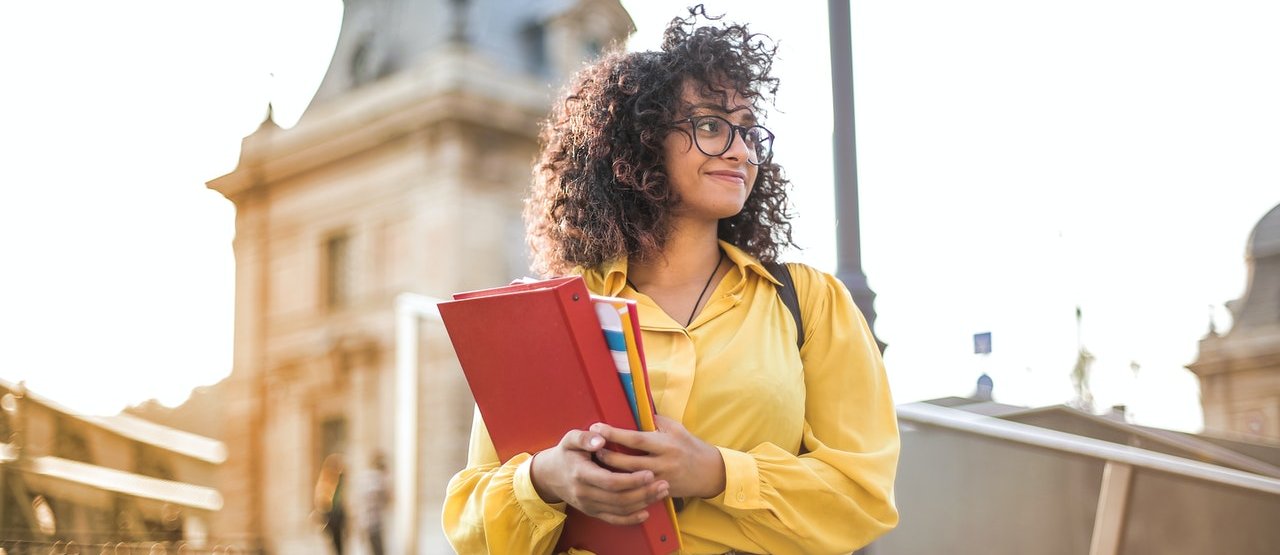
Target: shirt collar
pixel 744 261
pixel 611 278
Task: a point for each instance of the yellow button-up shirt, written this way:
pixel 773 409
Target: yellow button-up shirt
pixel 809 437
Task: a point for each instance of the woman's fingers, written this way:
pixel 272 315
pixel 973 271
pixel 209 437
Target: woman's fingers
pixel 626 520
pixel 592 475
pixel 622 482
pixel 666 424
pixel 623 462
pixel 649 442
pixel 569 472
pixel 553 471
pixel 623 486
pixel 582 440
pixel 690 466
pixel 620 503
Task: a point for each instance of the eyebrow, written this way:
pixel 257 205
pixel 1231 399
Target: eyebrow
pixel 750 118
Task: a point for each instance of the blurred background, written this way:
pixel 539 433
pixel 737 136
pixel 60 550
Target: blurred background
pixel 214 212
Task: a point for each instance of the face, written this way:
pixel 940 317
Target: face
pixel 710 187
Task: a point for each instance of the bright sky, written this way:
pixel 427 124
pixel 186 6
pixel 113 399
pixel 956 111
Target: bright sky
pixel 1016 159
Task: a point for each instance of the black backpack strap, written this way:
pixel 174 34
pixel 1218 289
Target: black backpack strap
pixel 788 295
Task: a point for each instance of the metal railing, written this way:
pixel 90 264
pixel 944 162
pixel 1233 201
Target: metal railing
pixel 1120 462
pixel 1027 434
pixel 18 547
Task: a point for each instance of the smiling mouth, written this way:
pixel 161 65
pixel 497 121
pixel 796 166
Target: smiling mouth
pixel 729 176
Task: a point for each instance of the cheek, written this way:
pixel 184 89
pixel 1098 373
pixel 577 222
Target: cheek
pixel 679 159
pixel 676 146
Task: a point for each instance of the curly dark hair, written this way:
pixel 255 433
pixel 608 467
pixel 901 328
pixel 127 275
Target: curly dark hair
pixel 600 189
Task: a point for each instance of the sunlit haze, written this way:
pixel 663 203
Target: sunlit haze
pixel 1016 160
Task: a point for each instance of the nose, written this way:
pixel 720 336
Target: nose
pixel 738 149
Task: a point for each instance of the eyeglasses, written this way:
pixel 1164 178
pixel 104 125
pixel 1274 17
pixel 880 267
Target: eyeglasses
pixel 713 135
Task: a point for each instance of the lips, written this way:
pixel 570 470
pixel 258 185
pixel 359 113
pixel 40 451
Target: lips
pixel 729 175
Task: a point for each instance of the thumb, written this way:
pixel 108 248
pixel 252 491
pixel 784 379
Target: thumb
pixel 583 440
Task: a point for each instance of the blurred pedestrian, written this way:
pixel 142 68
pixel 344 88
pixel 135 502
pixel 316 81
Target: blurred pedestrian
pixel 329 499
pixel 375 496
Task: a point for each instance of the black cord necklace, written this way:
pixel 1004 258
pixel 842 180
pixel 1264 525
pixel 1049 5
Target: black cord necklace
pixel 704 289
pixel 700 295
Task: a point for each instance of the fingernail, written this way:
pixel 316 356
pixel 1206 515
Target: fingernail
pixel 596 427
pixel 597 441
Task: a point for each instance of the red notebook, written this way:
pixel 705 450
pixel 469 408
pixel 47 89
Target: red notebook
pixel 536 360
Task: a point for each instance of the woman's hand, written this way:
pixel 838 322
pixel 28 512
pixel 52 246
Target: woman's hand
pixel 567 473
pixel 692 467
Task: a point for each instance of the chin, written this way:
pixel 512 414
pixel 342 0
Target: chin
pixel 731 213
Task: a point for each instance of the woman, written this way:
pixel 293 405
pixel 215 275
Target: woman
pixel 656 183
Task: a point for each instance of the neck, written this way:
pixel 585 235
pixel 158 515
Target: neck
pixel 690 252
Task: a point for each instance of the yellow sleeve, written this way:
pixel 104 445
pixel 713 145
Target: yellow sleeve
pixel 493 508
pixel 836 496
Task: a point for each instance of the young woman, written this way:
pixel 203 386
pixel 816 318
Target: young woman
pixel 657 183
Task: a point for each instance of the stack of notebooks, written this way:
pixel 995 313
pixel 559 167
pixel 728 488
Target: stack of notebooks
pixel 546 357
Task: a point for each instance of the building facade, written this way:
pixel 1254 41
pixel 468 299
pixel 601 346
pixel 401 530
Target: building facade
pixel 101 480
pixel 1239 371
pixel 406 174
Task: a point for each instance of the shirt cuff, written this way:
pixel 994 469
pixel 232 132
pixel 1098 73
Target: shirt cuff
pixel 542 514
pixel 741 481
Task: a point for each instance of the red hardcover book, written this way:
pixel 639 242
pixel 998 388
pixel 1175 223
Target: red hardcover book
pixel 536 360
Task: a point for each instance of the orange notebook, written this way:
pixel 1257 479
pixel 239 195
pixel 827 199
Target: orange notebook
pixel 536 360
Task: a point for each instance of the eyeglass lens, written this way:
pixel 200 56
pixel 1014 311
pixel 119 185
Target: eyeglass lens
pixel 714 136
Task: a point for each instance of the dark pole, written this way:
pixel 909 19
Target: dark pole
pixel 848 235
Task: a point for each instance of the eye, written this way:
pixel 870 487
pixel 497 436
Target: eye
pixel 709 126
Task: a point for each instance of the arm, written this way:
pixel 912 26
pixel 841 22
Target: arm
pixel 493 508
pixel 838 495
pixel 517 508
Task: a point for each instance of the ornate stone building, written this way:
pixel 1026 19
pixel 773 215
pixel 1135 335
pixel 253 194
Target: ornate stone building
pixel 1240 371
pixel 98 480
pixel 404 175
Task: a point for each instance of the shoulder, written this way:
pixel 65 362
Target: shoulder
pixel 812 283
pixel 829 310
pixel 822 296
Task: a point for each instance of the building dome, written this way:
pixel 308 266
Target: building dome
pixel 1260 305
pixel 1265 240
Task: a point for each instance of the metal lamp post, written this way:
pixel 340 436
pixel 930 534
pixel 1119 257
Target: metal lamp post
pixel 848 234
